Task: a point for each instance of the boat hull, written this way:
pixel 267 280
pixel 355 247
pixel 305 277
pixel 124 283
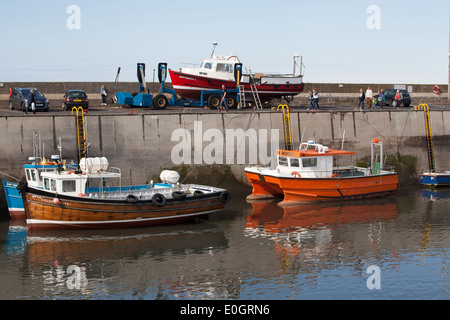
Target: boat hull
pixel 435 179
pixel 82 213
pixel 298 190
pixel 190 87
pixel 13 200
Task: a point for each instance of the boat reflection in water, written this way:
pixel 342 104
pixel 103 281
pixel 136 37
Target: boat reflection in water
pixel 309 229
pixel 87 259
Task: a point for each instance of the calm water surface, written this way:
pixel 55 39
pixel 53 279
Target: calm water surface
pixel 248 251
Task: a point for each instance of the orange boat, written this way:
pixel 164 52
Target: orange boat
pixel 308 174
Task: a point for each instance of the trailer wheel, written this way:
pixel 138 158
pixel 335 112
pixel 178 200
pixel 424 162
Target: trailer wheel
pixel 214 101
pixel 160 102
pixel 231 102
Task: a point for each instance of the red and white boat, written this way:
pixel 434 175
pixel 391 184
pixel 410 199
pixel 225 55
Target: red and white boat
pixel 218 71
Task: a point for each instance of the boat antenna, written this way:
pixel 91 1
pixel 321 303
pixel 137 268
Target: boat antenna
pixel 214 48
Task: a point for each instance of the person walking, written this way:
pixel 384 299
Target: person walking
pixel 369 96
pixel 311 100
pixel 222 100
pixel 381 98
pixel 103 94
pixel 316 99
pixel 361 99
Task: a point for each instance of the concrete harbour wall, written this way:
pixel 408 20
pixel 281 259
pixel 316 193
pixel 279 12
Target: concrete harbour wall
pixel 143 145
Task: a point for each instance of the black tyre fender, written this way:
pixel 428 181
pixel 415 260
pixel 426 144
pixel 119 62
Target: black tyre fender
pixel 131 198
pixel 178 195
pixel 160 102
pixel 224 196
pixel 159 200
pixel 214 101
pixel 198 194
pixel 22 186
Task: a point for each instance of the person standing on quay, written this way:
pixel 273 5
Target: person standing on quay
pixel 381 98
pixel 311 100
pixel 361 99
pixel 316 99
pixel 103 94
pixel 30 103
pixel 369 96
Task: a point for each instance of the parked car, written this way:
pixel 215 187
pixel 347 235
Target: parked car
pixel 390 98
pixel 75 98
pixel 19 99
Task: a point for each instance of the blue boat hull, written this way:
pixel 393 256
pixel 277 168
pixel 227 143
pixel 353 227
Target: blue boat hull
pixel 435 179
pixel 14 200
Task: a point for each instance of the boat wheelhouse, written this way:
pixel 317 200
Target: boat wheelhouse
pixel 33 172
pixel 309 174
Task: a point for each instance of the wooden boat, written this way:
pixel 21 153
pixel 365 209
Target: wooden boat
pixel 307 174
pixel 82 200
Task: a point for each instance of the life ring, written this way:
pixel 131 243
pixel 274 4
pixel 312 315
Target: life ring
pixel 159 200
pixel 178 195
pixel 296 174
pixel 198 194
pixel 131 198
pixel 224 196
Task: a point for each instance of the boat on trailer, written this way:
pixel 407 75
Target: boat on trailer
pixel 91 198
pixel 308 174
pixel 217 72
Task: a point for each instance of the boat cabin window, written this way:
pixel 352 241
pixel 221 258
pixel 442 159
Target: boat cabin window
pixel 206 65
pixel 31 175
pixel 309 162
pixel 68 186
pixel 283 161
pixel 295 162
pixel 49 184
pixel 224 67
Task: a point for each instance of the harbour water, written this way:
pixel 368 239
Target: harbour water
pixel 391 248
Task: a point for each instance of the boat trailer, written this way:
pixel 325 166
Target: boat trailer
pixel 144 98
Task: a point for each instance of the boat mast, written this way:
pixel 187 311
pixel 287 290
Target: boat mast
pixel 214 48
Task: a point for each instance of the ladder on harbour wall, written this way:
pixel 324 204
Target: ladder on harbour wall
pixel 81 132
pixel 287 126
pixel 254 90
pixel 426 111
pixel 241 97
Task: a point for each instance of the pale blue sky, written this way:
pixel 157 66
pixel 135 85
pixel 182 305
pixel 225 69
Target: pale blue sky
pixel 411 45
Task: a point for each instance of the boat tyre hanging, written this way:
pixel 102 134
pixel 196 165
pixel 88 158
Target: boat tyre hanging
pixel 159 200
pixel 198 194
pixel 22 186
pixel 131 198
pixel 224 197
pixel 178 195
